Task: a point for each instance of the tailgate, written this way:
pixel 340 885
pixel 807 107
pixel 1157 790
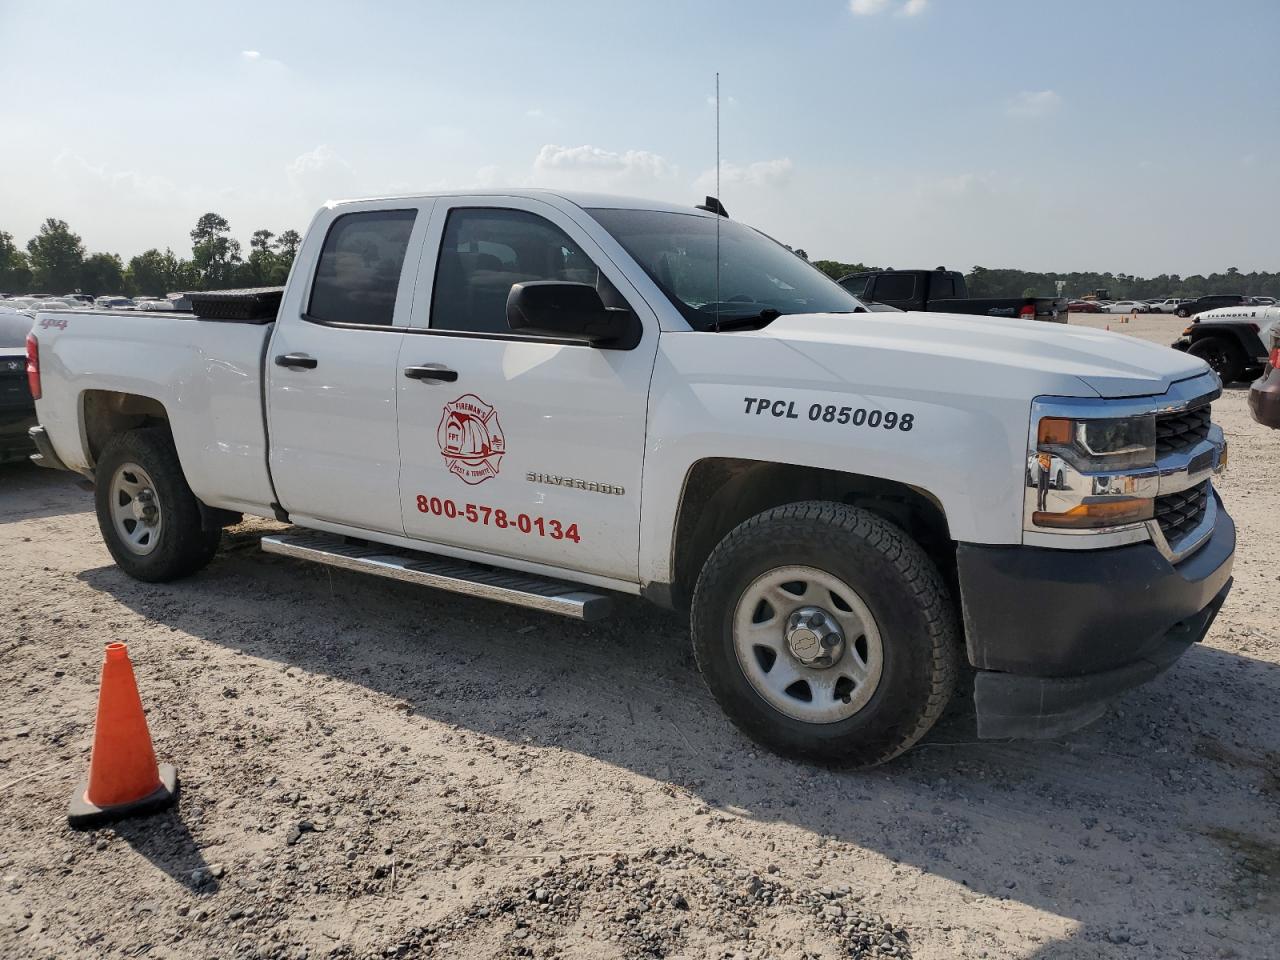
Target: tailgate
pixel 15 395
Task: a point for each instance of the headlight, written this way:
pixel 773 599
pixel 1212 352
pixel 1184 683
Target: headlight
pixel 1091 479
pixel 1100 446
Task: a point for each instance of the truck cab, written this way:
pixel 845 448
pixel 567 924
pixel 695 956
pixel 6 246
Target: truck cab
pixel 944 291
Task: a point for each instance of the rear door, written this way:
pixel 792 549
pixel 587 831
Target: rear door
pixel 332 366
pixel 524 447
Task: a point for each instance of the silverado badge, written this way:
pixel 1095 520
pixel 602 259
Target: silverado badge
pixel 471 439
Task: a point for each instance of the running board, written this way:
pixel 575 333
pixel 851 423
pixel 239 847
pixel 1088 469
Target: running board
pixel 456 576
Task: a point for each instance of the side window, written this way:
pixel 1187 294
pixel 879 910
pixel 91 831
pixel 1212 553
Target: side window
pixel 895 286
pixel 359 268
pixel 942 287
pixel 855 285
pixel 486 250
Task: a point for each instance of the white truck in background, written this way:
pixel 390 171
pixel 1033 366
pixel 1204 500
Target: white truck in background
pixel 549 398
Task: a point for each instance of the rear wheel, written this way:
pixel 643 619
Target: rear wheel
pixel 1225 357
pixel 149 518
pixel 825 633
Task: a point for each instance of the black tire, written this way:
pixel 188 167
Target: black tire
pixel 183 545
pixel 900 586
pixel 1182 312
pixel 1060 481
pixel 1225 357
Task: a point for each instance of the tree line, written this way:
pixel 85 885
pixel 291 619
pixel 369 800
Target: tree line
pixel 56 262
pixel 984 282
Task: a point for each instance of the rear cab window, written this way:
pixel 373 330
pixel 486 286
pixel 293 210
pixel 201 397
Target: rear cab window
pixel 358 272
pixel 894 286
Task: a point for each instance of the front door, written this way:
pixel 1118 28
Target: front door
pixel 332 370
pixel 518 446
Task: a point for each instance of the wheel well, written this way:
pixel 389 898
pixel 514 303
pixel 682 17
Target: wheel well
pixel 107 413
pixel 720 493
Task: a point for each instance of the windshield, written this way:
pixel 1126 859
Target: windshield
pixel 678 252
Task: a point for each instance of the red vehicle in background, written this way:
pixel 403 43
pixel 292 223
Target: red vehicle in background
pixel 1083 306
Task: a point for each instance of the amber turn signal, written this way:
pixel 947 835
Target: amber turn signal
pixel 1055 432
pixel 1103 513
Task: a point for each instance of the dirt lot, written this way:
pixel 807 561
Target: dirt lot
pixel 370 770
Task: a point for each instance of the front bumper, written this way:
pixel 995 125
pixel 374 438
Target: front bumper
pixel 1056 634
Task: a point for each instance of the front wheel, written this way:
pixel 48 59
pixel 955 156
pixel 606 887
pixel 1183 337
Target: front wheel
pixel 1223 356
pixel 149 518
pixel 825 633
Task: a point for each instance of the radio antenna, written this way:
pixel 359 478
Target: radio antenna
pixel 719 203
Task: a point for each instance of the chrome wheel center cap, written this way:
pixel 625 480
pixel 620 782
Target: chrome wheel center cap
pixel 814 638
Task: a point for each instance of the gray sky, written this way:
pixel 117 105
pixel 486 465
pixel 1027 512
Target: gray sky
pixel 1135 136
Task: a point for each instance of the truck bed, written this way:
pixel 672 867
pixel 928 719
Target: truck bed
pixel 208 375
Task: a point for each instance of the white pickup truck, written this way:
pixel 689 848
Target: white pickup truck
pixel 547 398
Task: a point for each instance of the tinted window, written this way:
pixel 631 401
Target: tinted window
pixel 942 287
pixel 14 328
pixel 359 268
pixel 895 286
pixel 484 251
pixel 855 285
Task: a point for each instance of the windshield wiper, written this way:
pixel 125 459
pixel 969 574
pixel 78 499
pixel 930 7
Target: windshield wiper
pixel 767 315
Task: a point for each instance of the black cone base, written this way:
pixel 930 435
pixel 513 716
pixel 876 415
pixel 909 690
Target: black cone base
pixel 83 815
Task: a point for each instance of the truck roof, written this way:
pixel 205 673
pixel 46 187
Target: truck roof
pixel 578 198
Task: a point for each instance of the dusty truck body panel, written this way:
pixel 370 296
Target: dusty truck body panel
pixel 535 397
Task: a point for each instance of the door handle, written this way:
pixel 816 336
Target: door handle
pixel 296 361
pixel 431 373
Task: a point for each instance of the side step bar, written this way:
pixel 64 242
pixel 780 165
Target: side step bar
pixel 456 576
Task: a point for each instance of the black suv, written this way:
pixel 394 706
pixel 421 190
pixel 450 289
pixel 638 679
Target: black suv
pixel 17 409
pixel 1212 302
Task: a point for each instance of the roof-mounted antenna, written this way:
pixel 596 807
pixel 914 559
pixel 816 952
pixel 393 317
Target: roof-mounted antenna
pixel 718 203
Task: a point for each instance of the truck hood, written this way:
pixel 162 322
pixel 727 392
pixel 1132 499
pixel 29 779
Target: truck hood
pixel 1101 362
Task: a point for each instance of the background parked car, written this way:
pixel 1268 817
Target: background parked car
pixel 17 409
pixel 1128 306
pixel 1084 306
pixel 1189 308
pixel 1264 395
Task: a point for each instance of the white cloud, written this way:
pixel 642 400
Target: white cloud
pixel 761 173
pixel 534 113
pixel 870 8
pixel 1032 104
pixel 589 166
pixel 251 54
pixel 320 175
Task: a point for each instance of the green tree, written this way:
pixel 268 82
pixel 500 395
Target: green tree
pixel 286 249
pixel 56 257
pixel 214 254
pixel 15 270
pixel 260 267
pixel 102 273
pixel 155 274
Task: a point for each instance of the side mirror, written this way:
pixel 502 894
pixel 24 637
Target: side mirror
pixel 573 311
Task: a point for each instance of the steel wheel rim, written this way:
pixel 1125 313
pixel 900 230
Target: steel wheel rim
pixel 821 695
pixel 136 515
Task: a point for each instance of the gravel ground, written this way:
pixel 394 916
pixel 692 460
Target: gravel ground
pixel 373 770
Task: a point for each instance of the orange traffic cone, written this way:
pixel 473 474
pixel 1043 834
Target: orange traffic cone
pixel 124 778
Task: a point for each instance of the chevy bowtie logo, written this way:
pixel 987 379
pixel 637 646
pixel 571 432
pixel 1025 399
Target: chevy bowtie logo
pixel 15 364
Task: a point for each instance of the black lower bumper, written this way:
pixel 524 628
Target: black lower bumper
pixel 1056 634
pixel 45 455
pixel 15 441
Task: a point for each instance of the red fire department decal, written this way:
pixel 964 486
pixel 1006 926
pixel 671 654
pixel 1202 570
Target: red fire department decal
pixel 470 439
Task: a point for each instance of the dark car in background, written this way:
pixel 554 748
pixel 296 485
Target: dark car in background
pixel 17 409
pixel 1189 308
pixel 944 291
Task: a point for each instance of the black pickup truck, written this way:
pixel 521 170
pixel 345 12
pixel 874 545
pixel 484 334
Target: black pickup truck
pixel 17 409
pixel 944 291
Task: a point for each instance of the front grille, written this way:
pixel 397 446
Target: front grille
pixel 1178 513
pixel 1176 432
